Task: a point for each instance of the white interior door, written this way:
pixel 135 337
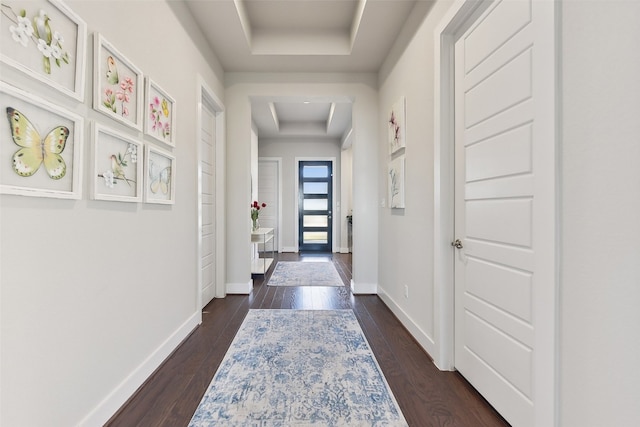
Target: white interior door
pixel 504 210
pixel 269 193
pixel 207 204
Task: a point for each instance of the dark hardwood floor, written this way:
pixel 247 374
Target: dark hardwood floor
pixel 427 396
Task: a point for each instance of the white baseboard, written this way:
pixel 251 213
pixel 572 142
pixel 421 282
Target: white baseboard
pixel 344 250
pixel 364 288
pixel 240 288
pixel 114 400
pixel 289 249
pixel 425 341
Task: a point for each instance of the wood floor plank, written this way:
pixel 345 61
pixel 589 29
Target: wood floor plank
pixel 427 396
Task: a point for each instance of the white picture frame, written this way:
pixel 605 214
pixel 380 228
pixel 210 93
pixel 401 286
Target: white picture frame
pixel 396 182
pixel 397 126
pixel 52 169
pixel 117 166
pixel 159 176
pixel 159 113
pixel 118 84
pixel 60 61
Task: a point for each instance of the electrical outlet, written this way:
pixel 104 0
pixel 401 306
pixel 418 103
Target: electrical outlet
pixel 406 291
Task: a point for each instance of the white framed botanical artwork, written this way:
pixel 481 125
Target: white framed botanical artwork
pixel 160 176
pixel 117 166
pixel 118 85
pixel 47 41
pixel 397 125
pixel 396 182
pixel 41 147
pixel 160 114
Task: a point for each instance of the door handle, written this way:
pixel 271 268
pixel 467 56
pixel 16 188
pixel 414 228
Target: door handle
pixel 457 244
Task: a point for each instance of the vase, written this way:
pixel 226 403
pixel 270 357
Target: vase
pixel 255 224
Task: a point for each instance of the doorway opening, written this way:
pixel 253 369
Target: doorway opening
pixel 210 223
pixel 468 185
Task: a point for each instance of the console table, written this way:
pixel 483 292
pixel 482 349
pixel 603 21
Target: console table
pixel 262 236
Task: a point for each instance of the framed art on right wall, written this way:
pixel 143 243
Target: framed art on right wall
pixel 397 125
pixel 396 182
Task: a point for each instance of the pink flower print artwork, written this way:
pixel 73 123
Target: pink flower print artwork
pixel 126 88
pixel 117 89
pixel 109 99
pixel 160 117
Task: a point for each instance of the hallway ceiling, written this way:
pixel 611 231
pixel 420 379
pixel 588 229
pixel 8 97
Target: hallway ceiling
pixel 298 36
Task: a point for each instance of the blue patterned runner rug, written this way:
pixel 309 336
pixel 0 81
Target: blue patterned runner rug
pixel 299 368
pixel 296 273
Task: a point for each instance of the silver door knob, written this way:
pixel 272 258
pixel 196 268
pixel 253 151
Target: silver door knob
pixel 457 244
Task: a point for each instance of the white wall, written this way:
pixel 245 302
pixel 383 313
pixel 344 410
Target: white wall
pixel 346 196
pixel 360 88
pixel 406 235
pixel 94 293
pixel 288 150
pixel 600 278
pixel 254 163
pixel 599 343
pixel 239 164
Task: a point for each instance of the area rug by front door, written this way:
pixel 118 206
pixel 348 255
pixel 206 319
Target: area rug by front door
pixel 299 368
pixel 295 273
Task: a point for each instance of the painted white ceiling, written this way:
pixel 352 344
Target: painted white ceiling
pixel 320 36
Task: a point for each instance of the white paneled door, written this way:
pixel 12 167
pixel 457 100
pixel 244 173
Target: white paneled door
pixel 504 209
pixel 269 193
pixel 207 204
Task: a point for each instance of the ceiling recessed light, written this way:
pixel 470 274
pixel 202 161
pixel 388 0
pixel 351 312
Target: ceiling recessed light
pixel 306 102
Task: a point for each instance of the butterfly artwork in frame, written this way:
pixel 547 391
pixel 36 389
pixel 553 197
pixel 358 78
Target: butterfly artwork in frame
pixel 45 40
pixel 41 145
pixel 160 176
pixel 118 84
pixel 160 114
pixel 117 171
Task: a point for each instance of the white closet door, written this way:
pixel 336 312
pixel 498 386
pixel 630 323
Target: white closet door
pixel 208 208
pixel 504 209
pixel 269 193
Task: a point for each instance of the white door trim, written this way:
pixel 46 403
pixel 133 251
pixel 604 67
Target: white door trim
pixel 545 300
pixel 444 180
pixel 206 95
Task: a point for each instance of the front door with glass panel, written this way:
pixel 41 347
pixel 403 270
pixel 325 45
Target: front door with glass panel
pixel 314 206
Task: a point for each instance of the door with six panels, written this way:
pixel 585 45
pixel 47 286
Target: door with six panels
pixel 504 209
